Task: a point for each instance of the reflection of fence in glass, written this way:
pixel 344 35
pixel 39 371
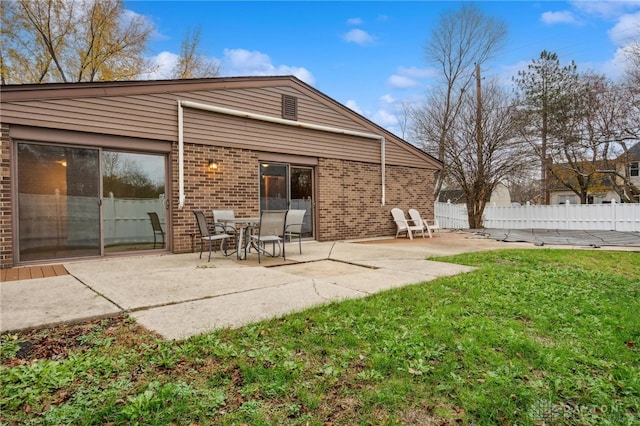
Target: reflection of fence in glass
pixel 58 221
pixel 125 220
pixel 304 204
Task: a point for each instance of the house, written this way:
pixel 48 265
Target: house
pixel 500 196
pixel 599 188
pixel 84 163
pixel 632 161
pixel 602 175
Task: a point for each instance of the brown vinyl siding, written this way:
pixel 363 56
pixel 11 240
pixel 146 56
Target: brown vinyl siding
pixel 154 116
pixel 217 129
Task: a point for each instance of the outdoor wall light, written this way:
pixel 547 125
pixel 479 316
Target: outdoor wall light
pixel 213 165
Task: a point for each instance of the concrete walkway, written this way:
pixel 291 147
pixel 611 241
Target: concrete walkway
pixel 180 295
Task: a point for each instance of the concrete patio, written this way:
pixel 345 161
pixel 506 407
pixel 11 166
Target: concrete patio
pixel 180 295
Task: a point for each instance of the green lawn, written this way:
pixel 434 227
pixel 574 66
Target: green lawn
pixel 531 337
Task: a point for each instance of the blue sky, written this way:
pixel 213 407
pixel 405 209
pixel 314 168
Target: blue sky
pixel 370 56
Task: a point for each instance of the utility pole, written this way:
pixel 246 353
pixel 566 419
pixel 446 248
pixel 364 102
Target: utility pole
pixel 479 116
pixel 480 196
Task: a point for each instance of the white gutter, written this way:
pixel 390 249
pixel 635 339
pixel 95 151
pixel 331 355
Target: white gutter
pixel 260 117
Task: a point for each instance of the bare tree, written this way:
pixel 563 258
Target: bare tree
pixel 478 162
pixel 461 40
pixel 192 62
pixel 71 40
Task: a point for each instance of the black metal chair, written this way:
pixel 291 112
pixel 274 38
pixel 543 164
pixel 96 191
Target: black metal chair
pixel 157 228
pixel 205 235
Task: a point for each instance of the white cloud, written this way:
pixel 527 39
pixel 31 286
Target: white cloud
pixel 605 9
pixel 615 68
pixel 354 106
pixel 163 63
pixel 358 36
pixel 407 77
pixel 387 99
pixel 401 82
pixel 241 62
pixel 384 118
pixel 626 30
pixel 562 17
pixel 354 21
pixel 415 72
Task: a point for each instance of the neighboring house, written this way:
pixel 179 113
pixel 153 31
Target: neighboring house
pixel 632 163
pixel 600 189
pixel 84 163
pixel 499 197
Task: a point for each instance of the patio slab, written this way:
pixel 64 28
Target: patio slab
pixel 234 310
pixel 42 302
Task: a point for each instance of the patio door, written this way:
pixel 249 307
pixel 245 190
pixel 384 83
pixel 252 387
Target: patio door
pixel 58 201
pixel 285 186
pixel 133 186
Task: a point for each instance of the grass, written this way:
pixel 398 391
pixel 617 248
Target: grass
pixel 531 337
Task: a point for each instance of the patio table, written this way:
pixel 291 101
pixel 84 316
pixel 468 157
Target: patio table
pixel 242 224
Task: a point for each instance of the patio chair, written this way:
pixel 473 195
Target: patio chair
pixel 205 235
pixel 157 228
pixel 434 226
pixel 219 226
pixel 270 230
pixel 417 219
pixel 402 224
pixel 293 226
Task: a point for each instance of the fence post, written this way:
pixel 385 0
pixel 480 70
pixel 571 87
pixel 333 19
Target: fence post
pixel 614 216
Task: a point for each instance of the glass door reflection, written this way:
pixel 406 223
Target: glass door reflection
pixel 133 196
pixel 58 202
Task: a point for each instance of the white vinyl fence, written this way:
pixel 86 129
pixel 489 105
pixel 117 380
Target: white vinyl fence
pixel 614 216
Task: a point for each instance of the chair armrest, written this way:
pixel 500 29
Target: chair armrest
pixel 219 225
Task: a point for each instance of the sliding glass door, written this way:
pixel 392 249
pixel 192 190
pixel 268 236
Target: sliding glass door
pixel 58 201
pixel 133 189
pixel 78 201
pixel 284 186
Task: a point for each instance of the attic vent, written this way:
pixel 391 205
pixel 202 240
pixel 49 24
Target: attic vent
pixel 289 107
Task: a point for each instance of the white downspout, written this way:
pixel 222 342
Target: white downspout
pixel 383 166
pixel 260 117
pixel 181 195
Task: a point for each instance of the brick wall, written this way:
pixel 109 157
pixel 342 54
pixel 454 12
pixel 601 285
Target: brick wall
pixel 233 186
pixel 6 214
pixel 350 195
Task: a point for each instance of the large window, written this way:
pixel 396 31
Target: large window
pixel 634 169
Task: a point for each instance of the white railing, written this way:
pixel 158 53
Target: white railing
pixel 614 216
